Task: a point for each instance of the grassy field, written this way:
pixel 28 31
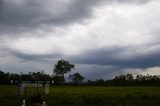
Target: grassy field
pixel 86 96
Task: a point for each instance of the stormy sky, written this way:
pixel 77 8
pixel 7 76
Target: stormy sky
pixel 103 38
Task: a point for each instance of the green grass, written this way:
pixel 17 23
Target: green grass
pixel 126 96
pixel 110 91
pixel 86 96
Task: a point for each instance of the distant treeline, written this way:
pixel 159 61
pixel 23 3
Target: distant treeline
pixel 128 80
pixel 121 80
pixel 11 78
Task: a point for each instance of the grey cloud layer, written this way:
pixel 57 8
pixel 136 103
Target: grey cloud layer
pixel 109 57
pixel 18 16
pixel 101 57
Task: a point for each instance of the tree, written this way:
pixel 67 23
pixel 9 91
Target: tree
pixel 76 78
pixel 62 67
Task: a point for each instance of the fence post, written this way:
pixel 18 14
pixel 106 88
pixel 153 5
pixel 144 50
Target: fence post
pixel 23 102
pixel 44 103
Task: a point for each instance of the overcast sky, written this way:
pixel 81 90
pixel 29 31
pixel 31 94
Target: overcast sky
pixel 103 38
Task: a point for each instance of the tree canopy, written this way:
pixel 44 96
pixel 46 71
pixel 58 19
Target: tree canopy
pixel 62 67
pixel 76 78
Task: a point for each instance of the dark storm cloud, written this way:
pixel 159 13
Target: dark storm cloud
pixel 36 12
pixel 21 15
pixel 109 57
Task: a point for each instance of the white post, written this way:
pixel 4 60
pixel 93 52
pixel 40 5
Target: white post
pixel 23 102
pixel 46 89
pixel 44 103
